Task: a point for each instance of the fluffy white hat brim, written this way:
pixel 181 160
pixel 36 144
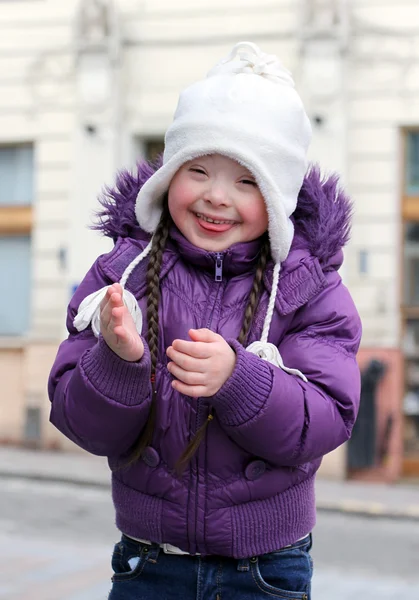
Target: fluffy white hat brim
pixel 150 198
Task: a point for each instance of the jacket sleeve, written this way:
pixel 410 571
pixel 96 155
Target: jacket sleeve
pixel 99 401
pixel 278 416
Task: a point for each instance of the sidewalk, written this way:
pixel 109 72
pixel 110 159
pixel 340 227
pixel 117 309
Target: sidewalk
pixel 398 501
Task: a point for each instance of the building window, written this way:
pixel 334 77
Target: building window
pixel 411 266
pixel 15 270
pixel 153 148
pixel 16 198
pixel 150 148
pixel 16 176
pixel 412 163
pixel 410 300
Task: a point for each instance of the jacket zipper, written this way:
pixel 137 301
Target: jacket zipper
pixel 219 266
pixel 219 258
pixel 218 278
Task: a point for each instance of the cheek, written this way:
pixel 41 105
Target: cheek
pixel 178 198
pixel 256 215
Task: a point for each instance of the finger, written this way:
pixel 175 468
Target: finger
pixel 106 313
pixel 194 391
pixel 186 362
pixel 116 299
pixel 188 377
pixel 117 317
pixel 111 290
pixel 203 335
pixel 195 349
pixel 117 287
pixel 105 300
pixel 121 334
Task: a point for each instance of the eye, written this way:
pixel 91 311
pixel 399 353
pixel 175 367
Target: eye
pixel 249 182
pixel 197 170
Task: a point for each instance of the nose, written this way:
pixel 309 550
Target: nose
pixel 217 195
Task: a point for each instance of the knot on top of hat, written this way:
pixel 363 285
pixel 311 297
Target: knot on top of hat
pixel 253 61
pixel 270 353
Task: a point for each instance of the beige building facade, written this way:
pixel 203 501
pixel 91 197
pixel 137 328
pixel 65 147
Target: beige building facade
pixel 88 88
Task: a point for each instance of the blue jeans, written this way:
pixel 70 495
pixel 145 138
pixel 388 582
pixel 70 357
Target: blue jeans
pixel 145 572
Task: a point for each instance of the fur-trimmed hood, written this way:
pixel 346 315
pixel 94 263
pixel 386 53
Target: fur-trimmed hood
pixel 322 218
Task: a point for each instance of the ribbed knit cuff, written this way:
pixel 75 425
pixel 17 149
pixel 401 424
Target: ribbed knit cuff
pixel 117 379
pixel 247 389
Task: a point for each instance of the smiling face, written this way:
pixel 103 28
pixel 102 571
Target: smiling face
pixel 215 202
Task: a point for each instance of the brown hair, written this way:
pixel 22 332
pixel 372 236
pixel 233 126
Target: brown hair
pixel 153 299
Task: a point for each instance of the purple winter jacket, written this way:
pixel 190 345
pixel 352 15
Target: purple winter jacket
pixel 250 487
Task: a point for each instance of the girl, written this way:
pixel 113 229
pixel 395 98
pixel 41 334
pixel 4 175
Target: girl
pixel 216 412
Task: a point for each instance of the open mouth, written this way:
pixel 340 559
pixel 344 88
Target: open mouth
pixel 215 221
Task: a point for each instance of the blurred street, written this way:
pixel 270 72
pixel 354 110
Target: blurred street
pixel 57 537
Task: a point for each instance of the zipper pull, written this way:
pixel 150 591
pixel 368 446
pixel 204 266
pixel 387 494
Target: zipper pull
pixel 218 267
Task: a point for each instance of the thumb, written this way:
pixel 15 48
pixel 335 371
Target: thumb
pixel 202 335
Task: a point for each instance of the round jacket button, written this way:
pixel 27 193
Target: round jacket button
pixel 151 457
pixel 255 469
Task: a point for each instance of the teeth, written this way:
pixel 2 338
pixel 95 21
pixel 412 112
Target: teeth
pixel 212 220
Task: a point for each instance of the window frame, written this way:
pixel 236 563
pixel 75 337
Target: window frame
pixel 16 219
pixel 409 212
pixel 410 201
pixel 411 189
pixel 147 147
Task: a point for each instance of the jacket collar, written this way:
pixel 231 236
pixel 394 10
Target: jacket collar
pixel 301 277
pixel 238 259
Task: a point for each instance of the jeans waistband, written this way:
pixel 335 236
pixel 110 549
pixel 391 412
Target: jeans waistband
pixel 167 548
pixel 170 549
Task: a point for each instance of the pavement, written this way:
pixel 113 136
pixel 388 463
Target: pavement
pixel 395 501
pixel 44 570
pixel 56 540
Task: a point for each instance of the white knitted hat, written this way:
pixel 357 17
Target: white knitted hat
pixel 246 109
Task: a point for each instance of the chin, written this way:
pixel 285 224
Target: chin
pixel 213 245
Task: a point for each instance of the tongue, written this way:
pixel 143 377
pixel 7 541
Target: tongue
pixel 217 227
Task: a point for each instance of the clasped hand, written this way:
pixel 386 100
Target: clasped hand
pixel 202 366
